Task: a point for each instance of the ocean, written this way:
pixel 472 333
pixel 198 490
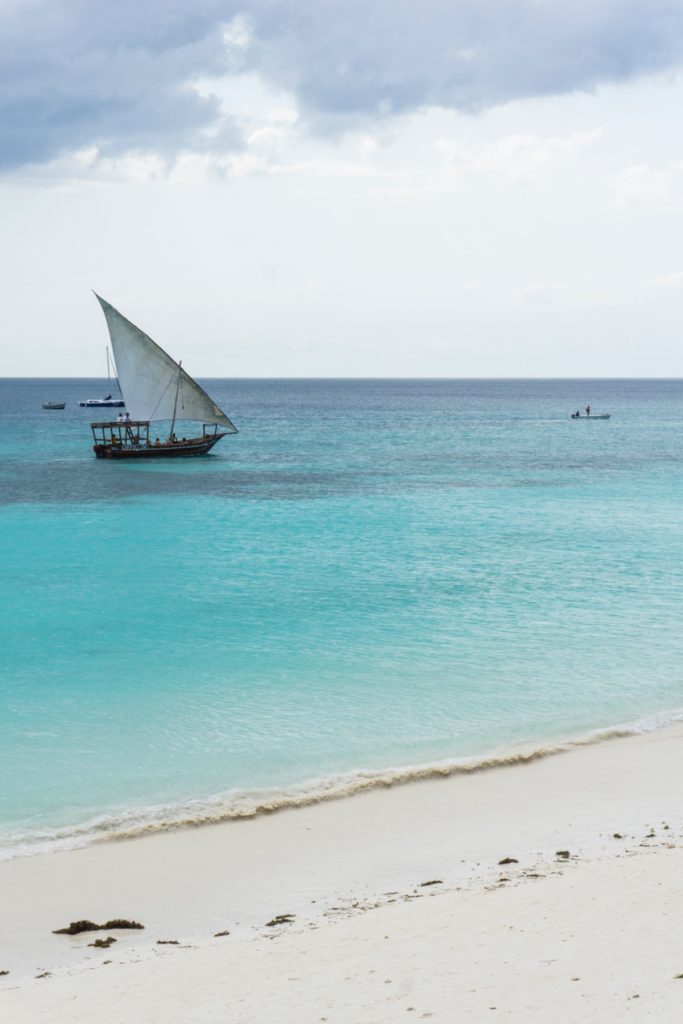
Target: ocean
pixel 373 580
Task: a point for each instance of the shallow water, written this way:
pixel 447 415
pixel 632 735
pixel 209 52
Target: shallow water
pixel 371 574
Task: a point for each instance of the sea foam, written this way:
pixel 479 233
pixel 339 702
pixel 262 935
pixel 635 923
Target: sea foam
pixel 237 805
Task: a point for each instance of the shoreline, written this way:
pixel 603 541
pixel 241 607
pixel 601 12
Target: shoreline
pixel 237 805
pixel 338 866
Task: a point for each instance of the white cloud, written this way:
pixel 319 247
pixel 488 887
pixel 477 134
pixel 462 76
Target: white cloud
pixel 516 156
pixel 655 187
pixel 238 33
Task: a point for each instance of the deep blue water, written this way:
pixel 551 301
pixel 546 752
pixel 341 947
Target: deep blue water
pixel 370 574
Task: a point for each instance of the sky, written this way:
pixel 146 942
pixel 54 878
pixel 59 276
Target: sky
pixel 311 188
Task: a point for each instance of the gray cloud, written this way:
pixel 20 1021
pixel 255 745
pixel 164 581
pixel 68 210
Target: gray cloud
pixel 378 57
pixel 76 73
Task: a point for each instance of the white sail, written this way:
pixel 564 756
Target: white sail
pixel 153 385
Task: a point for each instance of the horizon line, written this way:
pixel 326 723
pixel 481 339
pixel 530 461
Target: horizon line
pixel 560 377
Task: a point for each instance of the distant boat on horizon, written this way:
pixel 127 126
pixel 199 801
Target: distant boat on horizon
pixel 107 402
pixel 54 405
pixel 155 388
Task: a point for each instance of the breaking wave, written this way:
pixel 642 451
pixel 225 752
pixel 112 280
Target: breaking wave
pixel 238 804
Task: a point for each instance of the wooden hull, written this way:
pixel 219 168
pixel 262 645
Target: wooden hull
pixel 201 446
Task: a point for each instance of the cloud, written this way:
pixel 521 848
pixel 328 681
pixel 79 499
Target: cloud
pixel 75 74
pixel 516 156
pixel 121 76
pixel 379 57
pixel 657 188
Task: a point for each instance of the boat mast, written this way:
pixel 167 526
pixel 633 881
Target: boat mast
pixel 175 404
pixel 110 362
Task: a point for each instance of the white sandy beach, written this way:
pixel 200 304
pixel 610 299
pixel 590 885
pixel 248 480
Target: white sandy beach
pixel 595 937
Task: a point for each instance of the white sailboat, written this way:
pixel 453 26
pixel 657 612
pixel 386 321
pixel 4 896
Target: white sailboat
pixel 155 388
pixel 107 402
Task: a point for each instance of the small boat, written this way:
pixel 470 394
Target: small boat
pixel 155 388
pixel 103 403
pixel 107 402
pixel 54 405
pixel 592 416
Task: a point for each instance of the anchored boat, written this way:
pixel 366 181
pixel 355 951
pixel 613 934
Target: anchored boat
pixel 107 402
pixel 155 388
pixel 103 403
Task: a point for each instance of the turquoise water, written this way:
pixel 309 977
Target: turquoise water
pixel 371 575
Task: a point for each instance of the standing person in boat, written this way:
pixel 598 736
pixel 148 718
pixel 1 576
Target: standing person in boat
pixel 588 410
pixel 127 419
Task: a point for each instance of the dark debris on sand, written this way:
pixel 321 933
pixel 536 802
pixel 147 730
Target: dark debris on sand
pixel 281 919
pixel 103 943
pixel 433 881
pixel 508 860
pixel 76 927
pixel 167 942
pixel 219 935
pixel 3 973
